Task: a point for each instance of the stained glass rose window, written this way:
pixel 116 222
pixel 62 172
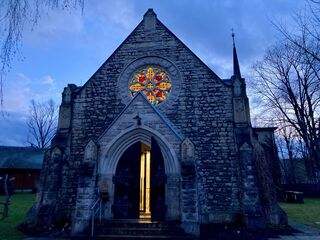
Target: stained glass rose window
pixel 153 82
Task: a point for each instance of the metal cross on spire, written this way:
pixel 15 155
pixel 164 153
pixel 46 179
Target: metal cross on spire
pixel 233 37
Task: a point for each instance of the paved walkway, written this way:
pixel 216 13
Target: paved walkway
pixel 305 233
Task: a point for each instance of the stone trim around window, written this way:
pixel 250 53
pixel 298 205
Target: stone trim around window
pixel 168 66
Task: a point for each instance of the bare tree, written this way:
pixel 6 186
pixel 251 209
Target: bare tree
pixel 290 147
pixel 289 150
pixel 15 17
pixel 288 81
pixel 42 123
pixel 307 23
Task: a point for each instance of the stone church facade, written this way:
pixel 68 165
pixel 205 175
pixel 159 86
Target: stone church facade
pixel 156 134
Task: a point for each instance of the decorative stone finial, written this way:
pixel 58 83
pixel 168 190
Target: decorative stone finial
pixel 150 19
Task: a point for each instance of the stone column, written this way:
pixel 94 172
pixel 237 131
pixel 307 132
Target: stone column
pixel 172 197
pixel 51 179
pixel 87 192
pixel 65 110
pixel 189 191
pixel 107 180
pixel 251 206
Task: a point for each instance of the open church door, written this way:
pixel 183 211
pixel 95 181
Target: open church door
pixel 126 181
pixel 158 181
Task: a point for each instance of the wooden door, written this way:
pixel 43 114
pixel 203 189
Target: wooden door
pixel 158 181
pixel 127 185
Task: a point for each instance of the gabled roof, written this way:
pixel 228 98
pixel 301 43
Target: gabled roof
pixel 150 11
pixel 267 129
pixel 156 110
pixel 21 157
pixel 162 116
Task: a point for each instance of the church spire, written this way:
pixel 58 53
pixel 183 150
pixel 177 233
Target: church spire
pixel 236 67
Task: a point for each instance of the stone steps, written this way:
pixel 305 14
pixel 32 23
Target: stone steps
pixel 137 229
pixel 131 237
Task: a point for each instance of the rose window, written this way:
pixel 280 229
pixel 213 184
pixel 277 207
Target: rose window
pixel 153 82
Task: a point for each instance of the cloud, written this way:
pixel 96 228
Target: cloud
pixel 21 89
pixel 13 129
pixel 47 80
pixel 205 26
pixel 23 78
pixel 68 46
pixel 17 97
pixel 54 25
pixel 118 14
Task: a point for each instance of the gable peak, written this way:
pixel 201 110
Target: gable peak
pixel 149 19
pixel 150 12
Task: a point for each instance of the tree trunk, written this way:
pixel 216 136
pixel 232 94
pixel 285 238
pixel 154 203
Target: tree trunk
pixel 6 198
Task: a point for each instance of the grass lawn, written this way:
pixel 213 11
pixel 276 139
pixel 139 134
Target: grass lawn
pixel 307 213
pixel 20 203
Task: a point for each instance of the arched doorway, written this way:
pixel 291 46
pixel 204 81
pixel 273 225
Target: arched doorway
pixel 139 183
pixel 112 147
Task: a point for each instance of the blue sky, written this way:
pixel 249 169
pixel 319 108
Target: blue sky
pixel 68 47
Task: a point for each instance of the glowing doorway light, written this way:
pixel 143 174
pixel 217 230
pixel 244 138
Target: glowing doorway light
pixel 145 185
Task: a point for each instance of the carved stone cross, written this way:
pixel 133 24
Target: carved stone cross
pixel 138 118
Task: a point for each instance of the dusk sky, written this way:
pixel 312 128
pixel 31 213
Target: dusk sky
pixel 68 47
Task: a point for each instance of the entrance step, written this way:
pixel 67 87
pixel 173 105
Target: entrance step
pixel 137 229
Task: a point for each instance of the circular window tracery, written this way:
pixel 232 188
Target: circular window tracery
pixel 153 82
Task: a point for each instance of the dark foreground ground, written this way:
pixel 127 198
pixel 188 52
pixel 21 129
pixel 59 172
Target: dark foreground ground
pixel 216 232
pixel 294 232
pixel 307 213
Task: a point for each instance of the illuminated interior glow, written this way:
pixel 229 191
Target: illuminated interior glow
pixel 145 182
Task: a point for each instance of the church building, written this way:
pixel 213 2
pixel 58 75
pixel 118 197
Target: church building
pixel 156 135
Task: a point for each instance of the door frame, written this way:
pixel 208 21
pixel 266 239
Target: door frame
pixel 110 155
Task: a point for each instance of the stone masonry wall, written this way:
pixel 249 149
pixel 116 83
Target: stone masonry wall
pixel 202 112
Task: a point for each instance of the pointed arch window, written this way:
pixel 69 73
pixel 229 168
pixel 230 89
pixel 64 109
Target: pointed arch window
pixel 153 82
